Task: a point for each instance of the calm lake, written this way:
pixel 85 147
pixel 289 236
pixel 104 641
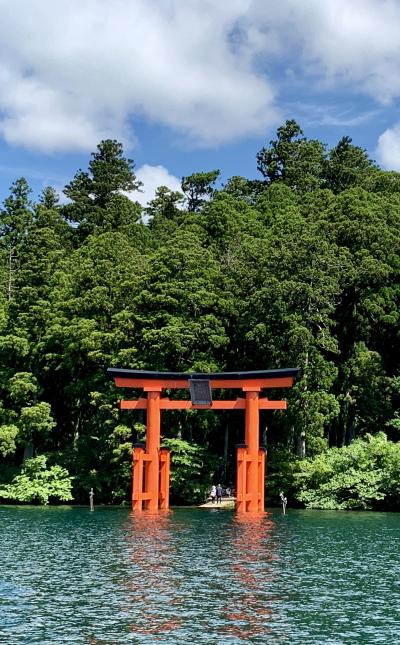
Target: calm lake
pixel 198 576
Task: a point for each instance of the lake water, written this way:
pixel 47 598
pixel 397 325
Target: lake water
pixel 198 576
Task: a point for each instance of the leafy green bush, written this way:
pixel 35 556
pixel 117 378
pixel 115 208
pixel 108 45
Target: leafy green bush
pixel 37 483
pixel 8 435
pixel 363 475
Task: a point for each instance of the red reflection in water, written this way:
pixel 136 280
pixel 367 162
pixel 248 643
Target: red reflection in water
pixel 151 588
pixel 253 541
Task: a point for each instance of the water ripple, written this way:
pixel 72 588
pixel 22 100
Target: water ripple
pixel 198 576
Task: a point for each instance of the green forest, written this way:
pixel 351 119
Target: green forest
pixel 297 268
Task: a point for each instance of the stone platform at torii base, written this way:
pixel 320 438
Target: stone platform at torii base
pixel 225 503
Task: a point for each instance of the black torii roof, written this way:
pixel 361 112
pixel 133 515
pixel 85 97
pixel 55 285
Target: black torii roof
pixel 117 372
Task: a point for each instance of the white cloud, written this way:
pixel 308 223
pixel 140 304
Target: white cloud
pixel 388 150
pixel 72 72
pixel 327 114
pixel 339 42
pixel 153 177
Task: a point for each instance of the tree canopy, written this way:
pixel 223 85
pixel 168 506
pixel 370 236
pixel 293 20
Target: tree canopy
pixel 297 268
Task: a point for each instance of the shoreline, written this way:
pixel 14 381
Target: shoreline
pixel 227 504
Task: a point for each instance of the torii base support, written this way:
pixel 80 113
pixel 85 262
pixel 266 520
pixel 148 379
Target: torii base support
pixel 151 471
pixel 250 481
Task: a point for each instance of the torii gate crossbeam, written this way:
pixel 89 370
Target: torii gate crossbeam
pixel 151 464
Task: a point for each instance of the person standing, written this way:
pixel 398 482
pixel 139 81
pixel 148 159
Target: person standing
pixel 219 493
pixel 213 493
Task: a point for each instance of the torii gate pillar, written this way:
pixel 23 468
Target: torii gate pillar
pixel 151 466
pixel 152 474
pixel 250 471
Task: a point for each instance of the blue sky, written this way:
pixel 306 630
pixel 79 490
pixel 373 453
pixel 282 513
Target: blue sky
pixel 191 85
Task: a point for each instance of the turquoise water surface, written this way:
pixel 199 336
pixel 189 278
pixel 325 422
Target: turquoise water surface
pixel 198 576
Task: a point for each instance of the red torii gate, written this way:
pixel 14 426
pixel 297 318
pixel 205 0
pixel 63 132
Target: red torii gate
pixel 151 464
